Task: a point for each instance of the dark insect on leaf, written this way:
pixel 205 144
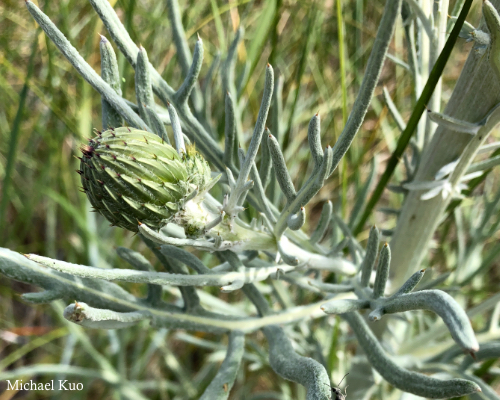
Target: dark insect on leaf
pixel 337 393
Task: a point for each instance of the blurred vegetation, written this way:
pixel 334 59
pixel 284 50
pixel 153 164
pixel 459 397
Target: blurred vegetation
pixel 47 111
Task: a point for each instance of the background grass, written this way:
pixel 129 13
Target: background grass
pixel 47 111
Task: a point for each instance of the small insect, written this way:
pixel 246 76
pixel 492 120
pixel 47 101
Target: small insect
pixel 337 393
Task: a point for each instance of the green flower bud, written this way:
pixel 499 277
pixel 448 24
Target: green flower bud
pixel 131 175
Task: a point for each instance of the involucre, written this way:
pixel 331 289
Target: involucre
pixel 133 176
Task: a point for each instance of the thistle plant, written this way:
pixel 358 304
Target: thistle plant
pixel 213 217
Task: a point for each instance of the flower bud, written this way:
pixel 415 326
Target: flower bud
pixel 131 175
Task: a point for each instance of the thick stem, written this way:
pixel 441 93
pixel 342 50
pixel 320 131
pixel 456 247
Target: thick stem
pixel 476 93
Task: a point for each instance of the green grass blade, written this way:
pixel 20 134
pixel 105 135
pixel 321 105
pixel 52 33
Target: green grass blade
pixel 14 137
pixel 405 137
pixel 260 39
pixel 343 88
pixel 313 17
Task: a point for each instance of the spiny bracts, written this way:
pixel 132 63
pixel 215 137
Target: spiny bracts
pixel 131 175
